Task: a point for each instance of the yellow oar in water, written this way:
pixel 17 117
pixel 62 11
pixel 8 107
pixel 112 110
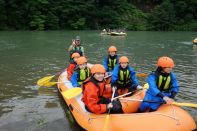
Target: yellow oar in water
pixel 49 84
pixel 45 80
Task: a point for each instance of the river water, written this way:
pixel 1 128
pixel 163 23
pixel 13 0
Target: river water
pixel 26 56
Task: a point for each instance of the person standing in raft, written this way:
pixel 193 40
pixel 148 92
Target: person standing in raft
pixel 112 60
pixel 93 90
pixel 163 85
pixel 76 47
pixel 81 74
pixel 73 65
pixel 124 77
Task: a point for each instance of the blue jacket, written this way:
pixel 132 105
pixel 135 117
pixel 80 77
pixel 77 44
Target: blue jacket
pixel 115 76
pixel 74 79
pixel 105 63
pixel 153 89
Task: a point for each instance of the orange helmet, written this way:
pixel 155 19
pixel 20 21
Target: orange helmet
pixel 165 62
pixel 97 68
pixel 112 49
pixel 75 55
pixel 81 60
pixel 123 59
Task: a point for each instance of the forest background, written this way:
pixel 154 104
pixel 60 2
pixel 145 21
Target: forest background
pixel 137 15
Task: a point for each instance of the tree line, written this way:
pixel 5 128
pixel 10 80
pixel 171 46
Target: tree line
pixel 98 14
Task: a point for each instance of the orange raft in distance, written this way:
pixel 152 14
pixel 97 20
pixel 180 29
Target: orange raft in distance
pixel 166 118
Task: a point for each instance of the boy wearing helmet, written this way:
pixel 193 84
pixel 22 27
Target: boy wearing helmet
pixel 76 47
pixel 124 77
pixel 112 60
pixel 163 85
pixel 93 90
pixel 81 74
pixel 73 65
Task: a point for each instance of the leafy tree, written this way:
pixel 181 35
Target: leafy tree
pixel 163 17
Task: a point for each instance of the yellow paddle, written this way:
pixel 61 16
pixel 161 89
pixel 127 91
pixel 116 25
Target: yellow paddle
pixel 44 81
pixel 174 103
pixel 107 117
pixel 75 91
pixel 49 84
pixel 185 104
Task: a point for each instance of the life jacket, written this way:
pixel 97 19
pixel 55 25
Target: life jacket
pixel 76 50
pixel 76 66
pixel 83 74
pixel 163 82
pixel 111 63
pixel 124 78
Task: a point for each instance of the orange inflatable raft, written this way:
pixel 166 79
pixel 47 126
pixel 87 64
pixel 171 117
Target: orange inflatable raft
pixel 166 118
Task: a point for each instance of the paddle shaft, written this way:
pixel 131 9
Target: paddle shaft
pixel 107 117
pixel 129 99
pixel 173 103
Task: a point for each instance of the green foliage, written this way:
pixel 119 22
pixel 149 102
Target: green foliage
pixel 98 14
pixel 38 22
pixel 163 17
pixel 3 16
pixel 79 24
pixel 52 22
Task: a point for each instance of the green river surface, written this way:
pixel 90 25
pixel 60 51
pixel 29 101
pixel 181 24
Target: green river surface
pixel 27 56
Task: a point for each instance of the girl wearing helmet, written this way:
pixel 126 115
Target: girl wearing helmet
pixel 112 60
pixel 81 74
pixel 93 93
pixel 163 85
pixel 124 78
pixel 73 65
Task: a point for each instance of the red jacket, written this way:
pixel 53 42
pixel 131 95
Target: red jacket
pixel 91 95
pixel 70 70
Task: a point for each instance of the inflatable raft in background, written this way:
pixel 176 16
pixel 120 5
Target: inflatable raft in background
pixel 118 34
pixel 105 33
pixel 166 118
pixel 195 41
pixel 113 33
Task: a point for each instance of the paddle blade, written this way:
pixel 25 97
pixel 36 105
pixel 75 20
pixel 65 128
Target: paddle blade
pixel 49 84
pixel 106 122
pixel 142 75
pixel 72 92
pixel 185 104
pixel 43 81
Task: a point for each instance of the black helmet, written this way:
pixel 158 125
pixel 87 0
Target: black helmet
pixel 77 38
